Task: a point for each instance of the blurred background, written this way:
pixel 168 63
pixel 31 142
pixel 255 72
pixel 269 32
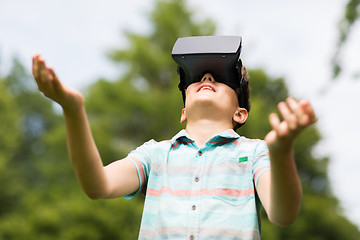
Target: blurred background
pixel 119 55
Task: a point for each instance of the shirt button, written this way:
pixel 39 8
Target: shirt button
pixel 200 153
pixel 196 179
pixel 193 207
pixel 191 237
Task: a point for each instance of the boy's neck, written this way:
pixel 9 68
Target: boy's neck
pixel 203 130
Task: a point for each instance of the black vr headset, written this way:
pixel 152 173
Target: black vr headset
pixel 218 55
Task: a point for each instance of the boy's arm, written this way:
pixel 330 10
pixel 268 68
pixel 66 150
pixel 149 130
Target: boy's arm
pixel 280 189
pixel 117 179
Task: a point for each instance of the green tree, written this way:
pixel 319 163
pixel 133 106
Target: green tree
pixel 9 136
pixel 37 117
pixel 346 25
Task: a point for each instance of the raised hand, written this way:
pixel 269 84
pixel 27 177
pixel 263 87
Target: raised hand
pixel 49 84
pixel 296 115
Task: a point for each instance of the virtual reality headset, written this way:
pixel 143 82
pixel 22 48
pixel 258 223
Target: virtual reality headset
pixel 218 55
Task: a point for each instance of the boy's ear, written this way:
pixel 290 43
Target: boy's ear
pixel 183 116
pixel 240 115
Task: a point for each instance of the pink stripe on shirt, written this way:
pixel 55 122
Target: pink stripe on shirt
pixel 260 170
pixel 189 193
pixel 141 170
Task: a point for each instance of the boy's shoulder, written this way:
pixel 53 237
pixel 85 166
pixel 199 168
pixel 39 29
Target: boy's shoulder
pixel 251 142
pixel 167 142
pixel 152 143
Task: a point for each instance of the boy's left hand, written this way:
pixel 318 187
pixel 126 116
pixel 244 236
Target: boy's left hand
pixel 296 115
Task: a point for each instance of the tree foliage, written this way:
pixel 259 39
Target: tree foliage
pixel 9 136
pixel 40 198
pixel 350 16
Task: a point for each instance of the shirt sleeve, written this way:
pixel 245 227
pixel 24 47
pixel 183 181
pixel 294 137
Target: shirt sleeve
pixel 140 157
pixel 261 160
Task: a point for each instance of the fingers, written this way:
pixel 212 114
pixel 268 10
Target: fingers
pixel 274 120
pixel 294 108
pixel 296 116
pixel 303 111
pixel 54 79
pixel 281 129
pixel 43 75
pixel 289 114
pixel 38 68
pixel 35 68
pixel 309 116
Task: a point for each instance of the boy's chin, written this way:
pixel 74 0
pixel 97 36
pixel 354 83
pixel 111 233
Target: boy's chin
pixel 206 97
pixel 210 105
pixel 205 102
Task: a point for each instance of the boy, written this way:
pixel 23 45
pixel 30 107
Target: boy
pixel 206 182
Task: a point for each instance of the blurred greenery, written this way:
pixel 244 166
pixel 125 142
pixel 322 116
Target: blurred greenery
pixel 40 198
pixel 346 25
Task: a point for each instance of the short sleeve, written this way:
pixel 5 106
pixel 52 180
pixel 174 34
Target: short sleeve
pixel 261 160
pixel 141 158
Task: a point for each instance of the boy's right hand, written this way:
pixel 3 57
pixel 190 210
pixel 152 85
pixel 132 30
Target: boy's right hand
pixel 49 84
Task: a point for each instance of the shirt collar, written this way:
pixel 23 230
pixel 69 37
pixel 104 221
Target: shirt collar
pixel 181 135
pixel 185 137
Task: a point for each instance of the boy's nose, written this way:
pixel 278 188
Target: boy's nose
pixel 208 77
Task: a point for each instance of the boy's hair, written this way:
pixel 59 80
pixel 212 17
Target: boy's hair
pixel 243 94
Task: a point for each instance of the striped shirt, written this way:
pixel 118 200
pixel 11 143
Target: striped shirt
pixel 206 193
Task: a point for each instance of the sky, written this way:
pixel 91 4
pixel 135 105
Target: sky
pixel 290 39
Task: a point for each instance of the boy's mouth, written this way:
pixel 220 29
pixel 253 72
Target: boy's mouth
pixel 207 87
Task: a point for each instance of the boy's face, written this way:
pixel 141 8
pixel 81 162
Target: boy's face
pixel 209 95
